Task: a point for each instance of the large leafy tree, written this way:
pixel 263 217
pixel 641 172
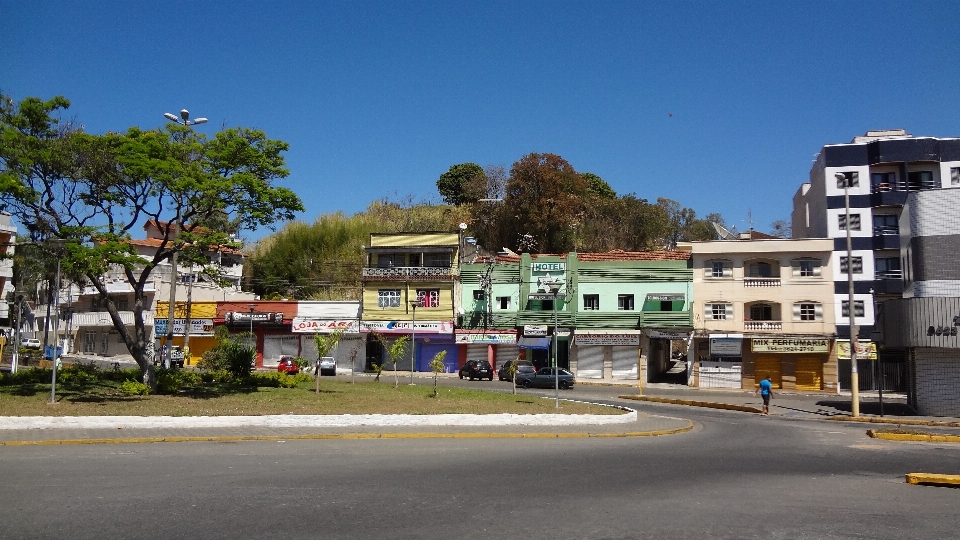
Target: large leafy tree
pixel 82 195
pixel 462 184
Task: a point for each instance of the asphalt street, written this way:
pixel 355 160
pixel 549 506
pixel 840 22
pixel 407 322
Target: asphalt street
pixel 735 475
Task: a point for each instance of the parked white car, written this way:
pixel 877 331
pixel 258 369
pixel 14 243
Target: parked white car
pixel 30 343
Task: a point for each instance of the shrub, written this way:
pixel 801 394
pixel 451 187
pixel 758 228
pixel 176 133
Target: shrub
pixel 134 388
pixel 275 379
pixel 216 376
pixel 171 381
pixel 26 376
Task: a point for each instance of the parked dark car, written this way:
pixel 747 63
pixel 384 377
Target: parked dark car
pixel 545 378
pixel 288 365
pixel 522 367
pixel 477 369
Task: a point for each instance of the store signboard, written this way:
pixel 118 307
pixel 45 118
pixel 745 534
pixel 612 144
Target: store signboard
pixel 726 346
pixel 534 330
pixel 406 327
pixel 308 325
pixel 866 350
pixel 198 327
pixel 487 338
pixel 607 339
pixel 790 345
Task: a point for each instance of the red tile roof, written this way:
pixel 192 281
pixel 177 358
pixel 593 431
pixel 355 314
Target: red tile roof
pixel 610 256
pixel 155 243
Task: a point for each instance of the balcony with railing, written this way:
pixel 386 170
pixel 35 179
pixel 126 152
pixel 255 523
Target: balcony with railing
pixel 761 282
pixel 762 325
pixel 409 273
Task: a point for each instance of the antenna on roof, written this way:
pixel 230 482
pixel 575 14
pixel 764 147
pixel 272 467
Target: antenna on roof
pixel 723 232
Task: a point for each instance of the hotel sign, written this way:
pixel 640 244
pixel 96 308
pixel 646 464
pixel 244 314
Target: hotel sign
pixel 787 345
pixel 548 267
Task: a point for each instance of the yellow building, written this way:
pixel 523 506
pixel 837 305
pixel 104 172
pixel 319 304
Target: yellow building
pixel 201 327
pixel 409 288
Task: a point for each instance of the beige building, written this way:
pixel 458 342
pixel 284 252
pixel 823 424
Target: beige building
pixel 763 306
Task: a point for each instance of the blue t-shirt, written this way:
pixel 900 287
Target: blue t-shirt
pixel 765 387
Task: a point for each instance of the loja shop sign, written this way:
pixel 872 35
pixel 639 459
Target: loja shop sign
pixel 323 326
pixel 787 345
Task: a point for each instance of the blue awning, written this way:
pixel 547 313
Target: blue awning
pixel 534 343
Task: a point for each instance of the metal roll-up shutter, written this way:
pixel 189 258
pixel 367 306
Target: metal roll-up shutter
pixel 937 379
pixel 713 374
pixel 590 362
pixel 350 354
pixel 809 374
pixel 476 352
pixel 771 367
pixel 276 346
pixel 625 363
pixel 506 353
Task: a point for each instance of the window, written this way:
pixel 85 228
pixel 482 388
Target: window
pixel 503 302
pixel 591 302
pixel 388 298
pixel 89 342
pixel 885 224
pixel 391 260
pixel 761 312
pixel 854 222
pixel 883 181
pixel 850 178
pixel 955 176
pixel 807 311
pixel 428 297
pixel 123 304
pixel 761 269
pixel 416 259
pixel 805 267
pixel 857 265
pixel 436 260
pixel 625 302
pixel 888 267
pixel 479 295
pixel 719 269
pixel 719 311
pixel 920 180
pixel 857 308
pixel 546 305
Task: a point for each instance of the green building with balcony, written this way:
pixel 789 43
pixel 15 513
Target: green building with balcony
pixel 612 314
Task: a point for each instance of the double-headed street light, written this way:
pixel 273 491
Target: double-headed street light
pixel 184 119
pixel 851 312
pixel 554 288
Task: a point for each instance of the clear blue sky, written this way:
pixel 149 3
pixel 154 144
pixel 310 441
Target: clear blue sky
pixel 377 99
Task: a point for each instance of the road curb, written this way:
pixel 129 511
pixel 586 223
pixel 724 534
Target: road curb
pixel 913 437
pixel 902 421
pixel 354 436
pixel 693 403
pixel 944 480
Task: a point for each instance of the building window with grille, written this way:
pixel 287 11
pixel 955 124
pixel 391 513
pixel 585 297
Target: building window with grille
pixel 719 269
pixel 883 181
pixel 591 302
pixel 625 302
pixel 719 311
pixel 850 179
pixel 503 302
pixel 920 180
pixel 955 176
pixel 123 304
pixel 885 224
pixel 854 222
pixel 857 308
pixel 808 311
pixel 89 342
pixel 436 260
pixel 391 260
pixel 428 297
pixel 479 295
pixel 388 298
pixel 857 265
pixel 888 268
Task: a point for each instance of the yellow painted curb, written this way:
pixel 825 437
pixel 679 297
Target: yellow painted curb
pixel 917 437
pixel 691 403
pixel 903 421
pixel 946 480
pixel 353 436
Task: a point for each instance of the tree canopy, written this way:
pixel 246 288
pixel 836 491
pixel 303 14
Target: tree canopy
pixel 81 195
pixel 463 183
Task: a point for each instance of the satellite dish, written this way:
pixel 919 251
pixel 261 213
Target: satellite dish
pixel 463 226
pixel 723 232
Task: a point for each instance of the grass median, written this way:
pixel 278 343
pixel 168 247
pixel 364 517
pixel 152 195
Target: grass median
pixel 104 397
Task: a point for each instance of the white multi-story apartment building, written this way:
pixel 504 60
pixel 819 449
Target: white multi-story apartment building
pixel 880 169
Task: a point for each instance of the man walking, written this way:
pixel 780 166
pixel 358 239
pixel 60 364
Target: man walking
pixel 766 392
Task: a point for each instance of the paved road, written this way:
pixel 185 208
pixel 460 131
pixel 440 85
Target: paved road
pixel 736 475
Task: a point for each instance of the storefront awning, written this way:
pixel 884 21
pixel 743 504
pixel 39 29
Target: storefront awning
pixel 534 343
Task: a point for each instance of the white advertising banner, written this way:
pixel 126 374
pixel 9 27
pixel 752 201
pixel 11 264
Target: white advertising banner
pixel 586 338
pixel 406 327
pixel 309 325
pixel 488 338
pixel 198 327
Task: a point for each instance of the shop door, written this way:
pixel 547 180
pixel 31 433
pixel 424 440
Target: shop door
pixel 590 362
pixel 426 352
pixel 771 367
pixel 937 372
pixel 625 362
pixel 506 353
pixel 809 374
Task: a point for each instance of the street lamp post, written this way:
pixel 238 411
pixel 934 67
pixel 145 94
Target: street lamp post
pixel 184 120
pixel 55 356
pixel 413 340
pixel 251 307
pixel 554 287
pixel 851 312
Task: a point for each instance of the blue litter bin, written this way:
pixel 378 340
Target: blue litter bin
pixel 48 352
